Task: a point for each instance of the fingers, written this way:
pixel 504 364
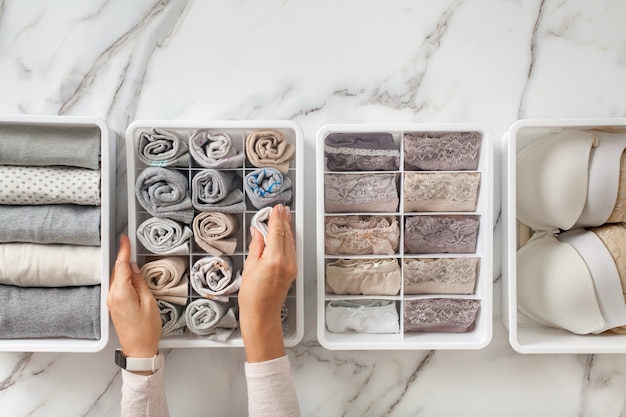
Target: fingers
pixel 123 255
pixel 256 247
pixel 276 231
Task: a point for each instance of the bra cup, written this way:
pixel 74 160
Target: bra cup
pixel 555 287
pixel 552 180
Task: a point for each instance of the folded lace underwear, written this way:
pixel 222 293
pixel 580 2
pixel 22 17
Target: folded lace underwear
pixel 440 275
pixel 269 149
pixel 441 315
pixel 214 277
pixel 361 235
pixel 361 152
pixel 267 187
pixel 162 148
pixel 215 232
pixel 440 191
pixel 211 149
pixel 164 236
pixel 362 316
pixel 167 279
pixel 215 190
pixel 442 151
pixel 164 192
pixel 441 234
pixel 360 192
pixel 574 281
pixel 379 276
pixel 572 179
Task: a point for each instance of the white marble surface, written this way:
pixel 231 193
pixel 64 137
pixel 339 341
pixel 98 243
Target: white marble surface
pixel 318 62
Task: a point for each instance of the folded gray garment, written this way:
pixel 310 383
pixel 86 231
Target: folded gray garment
pixel 50 312
pixel 63 223
pixel 172 318
pixel 215 150
pixel 164 236
pixel 164 193
pixel 267 187
pixel 48 145
pixel 22 185
pixel 162 148
pixel 367 151
pixel 214 190
pixel 211 319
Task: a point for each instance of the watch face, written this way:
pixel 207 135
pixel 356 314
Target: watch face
pixel 120 359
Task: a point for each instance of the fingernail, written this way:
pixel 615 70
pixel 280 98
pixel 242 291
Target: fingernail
pixel 135 268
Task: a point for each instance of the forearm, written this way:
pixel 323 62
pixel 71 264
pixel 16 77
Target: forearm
pixel 143 396
pixel 262 337
pixel 271 391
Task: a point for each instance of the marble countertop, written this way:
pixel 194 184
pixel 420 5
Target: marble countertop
pixel 319 62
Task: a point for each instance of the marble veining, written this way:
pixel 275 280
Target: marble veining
pixel 318 62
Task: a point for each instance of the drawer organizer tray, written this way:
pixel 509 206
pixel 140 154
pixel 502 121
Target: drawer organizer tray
pixel 379 333
pixel 527 335
pixel 39 129
pixel 238 131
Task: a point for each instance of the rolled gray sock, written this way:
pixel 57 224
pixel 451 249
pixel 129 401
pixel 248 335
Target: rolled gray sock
pixel 33 312
pixel 164 236
pixel 267 187
pixel 64 223
pixel 162 148
pixel 164 193
pixel 172 318
pixel 215 150
pixel 220 191
pixel 211 319
pixel 48 145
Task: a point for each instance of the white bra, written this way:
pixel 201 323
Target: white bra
pixel 569 179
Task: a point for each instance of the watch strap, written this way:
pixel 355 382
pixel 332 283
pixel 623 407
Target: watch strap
pixel 138 364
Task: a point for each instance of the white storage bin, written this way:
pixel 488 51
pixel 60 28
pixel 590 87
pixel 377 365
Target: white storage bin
pixel 107 231
pixel 476 338
pixel 526 335
pixel 238 131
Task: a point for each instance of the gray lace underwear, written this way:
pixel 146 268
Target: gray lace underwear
pixel 440 275
pixel 352 193
pixel 442 151
pixel 361 152
pixel 443 315
pixel 441 234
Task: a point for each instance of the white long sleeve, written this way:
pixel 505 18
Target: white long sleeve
pixel 144 396
pixel 271 391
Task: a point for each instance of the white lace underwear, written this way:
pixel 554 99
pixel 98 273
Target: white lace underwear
pixel 440 191
pixel 362 316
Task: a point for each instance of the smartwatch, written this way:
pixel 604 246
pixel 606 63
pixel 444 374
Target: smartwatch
pixel 138 364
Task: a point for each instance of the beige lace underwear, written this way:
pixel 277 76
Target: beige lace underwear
pixel 361 235
pixel 441 234
pixel 614 238
pixel 443 315
pixel 364 276
pixel 619 211
pixel 360 192
pixel 442 151
pixel 440 191
pixel 440 275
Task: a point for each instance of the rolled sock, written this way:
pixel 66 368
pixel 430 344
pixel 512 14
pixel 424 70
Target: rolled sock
pixel 260 221
pixel 63 223
pixel 32 185
pixel 164 236
pixel 214 190
pixel 211 319
pixel 37 265
pixel 172 318
pixel 214 277
pixel 161 148
pixel 164 193
pixel 50 312
pixel 214 232
pixel 267 187
pixel 269 149
pixel 212 149
pixel 167 279
pixel 38 145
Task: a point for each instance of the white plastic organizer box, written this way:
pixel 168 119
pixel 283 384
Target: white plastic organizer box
pixel 554 307
pixel 404 236
pixel 209 238
pixel 58 212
